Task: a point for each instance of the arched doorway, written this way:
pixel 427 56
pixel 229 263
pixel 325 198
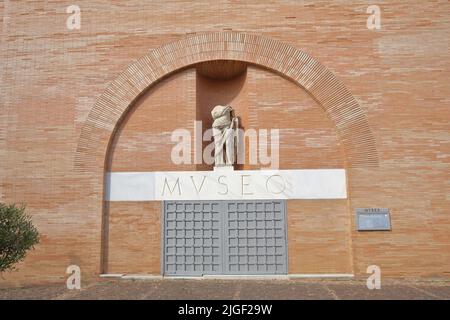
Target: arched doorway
pixel 349 122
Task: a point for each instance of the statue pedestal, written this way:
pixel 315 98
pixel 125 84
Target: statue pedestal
pixel 224 168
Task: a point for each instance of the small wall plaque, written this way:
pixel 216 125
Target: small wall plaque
pixel 373 219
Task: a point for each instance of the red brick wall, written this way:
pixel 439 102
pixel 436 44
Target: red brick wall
pixel 319 239
pixel 52 77
pixel 143 143
pixel 134 238
pixel 143 139
pixel 263 100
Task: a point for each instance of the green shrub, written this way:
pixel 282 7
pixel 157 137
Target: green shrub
pixel 17 235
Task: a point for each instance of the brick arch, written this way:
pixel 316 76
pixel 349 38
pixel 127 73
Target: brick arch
pixel 341 107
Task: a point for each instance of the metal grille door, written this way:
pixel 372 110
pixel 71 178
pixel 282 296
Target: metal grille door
pixel 193 238
pixel 225 237
pixel 255 241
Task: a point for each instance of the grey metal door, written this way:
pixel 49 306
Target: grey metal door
pixel 255 237
pixel 192 238
pixel 225 237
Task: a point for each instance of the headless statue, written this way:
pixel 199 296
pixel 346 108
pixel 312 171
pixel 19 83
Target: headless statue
pixel 223 131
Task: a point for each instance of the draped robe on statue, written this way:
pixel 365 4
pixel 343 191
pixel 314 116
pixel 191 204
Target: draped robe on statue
pixel 223 133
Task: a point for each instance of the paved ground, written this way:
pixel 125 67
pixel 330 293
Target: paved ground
pixel 236 289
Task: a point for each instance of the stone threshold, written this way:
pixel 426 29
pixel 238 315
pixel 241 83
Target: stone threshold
pixel 228 277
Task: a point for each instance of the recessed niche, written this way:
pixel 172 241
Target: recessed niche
pixel 221 69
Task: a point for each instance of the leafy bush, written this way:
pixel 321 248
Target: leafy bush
pixel 17 235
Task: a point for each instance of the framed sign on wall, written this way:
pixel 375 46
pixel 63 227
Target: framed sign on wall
pixel 373 219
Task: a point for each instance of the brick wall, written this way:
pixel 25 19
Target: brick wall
pixel 262 100
pixel 52 77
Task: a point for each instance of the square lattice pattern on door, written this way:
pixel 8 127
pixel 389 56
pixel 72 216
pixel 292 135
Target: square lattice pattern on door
pixel 225 237
pixel 256 239
pixel 193 238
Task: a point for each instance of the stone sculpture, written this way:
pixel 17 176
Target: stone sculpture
pixel 223 127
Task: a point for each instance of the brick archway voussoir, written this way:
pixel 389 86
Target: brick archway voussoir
pixel 341 107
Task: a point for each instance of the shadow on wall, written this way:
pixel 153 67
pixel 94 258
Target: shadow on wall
pixel 220 82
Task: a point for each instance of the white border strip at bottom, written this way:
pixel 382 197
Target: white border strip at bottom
pixel 229 277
